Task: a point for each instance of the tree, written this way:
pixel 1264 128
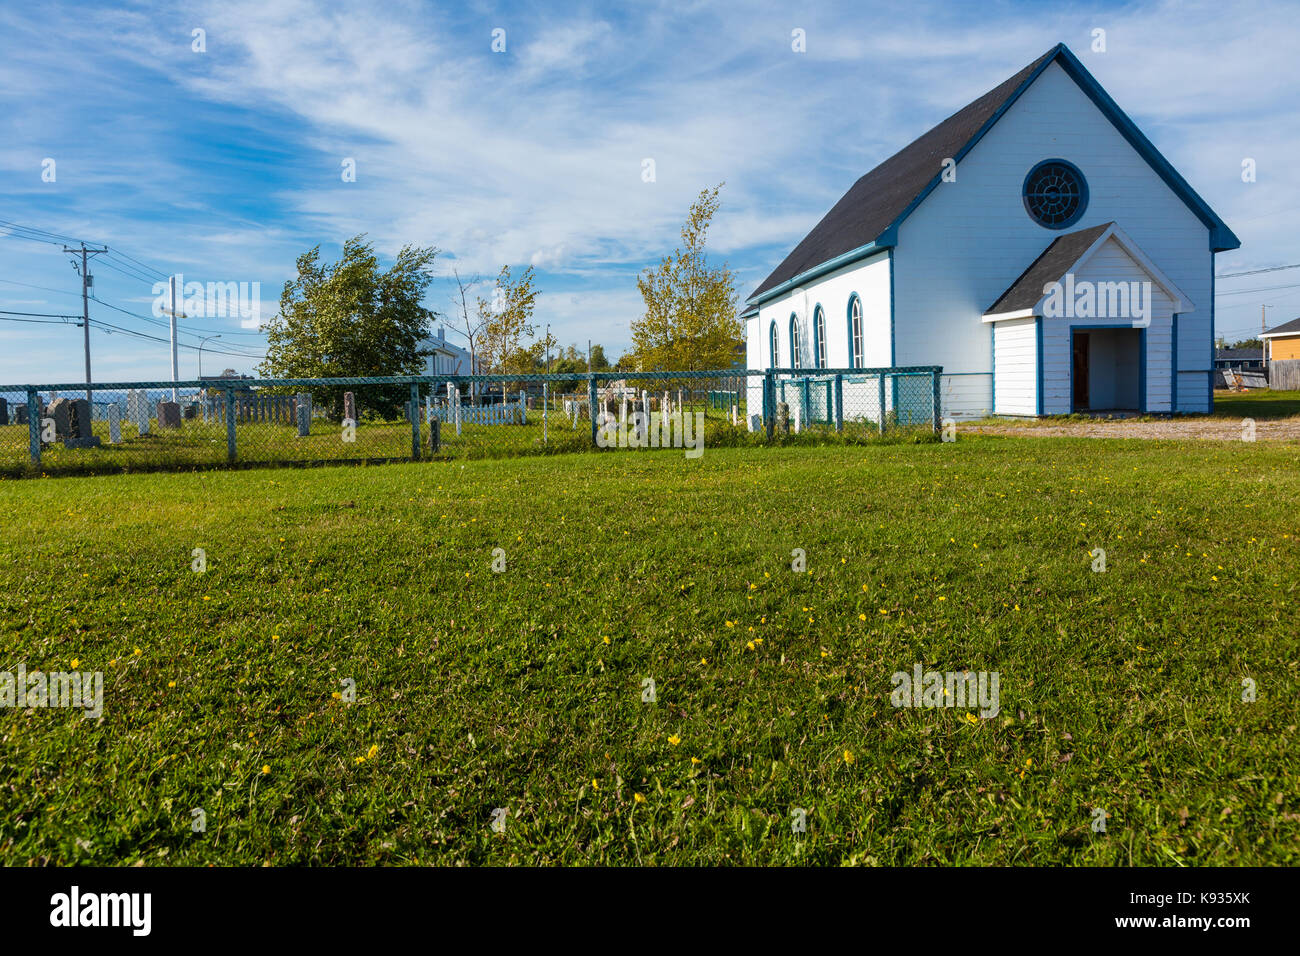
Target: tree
pixel 690 319
pixel 507 323
pixel 350 319
pixel 473 323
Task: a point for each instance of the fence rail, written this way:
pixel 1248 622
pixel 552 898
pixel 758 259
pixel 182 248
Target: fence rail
pixel 70 427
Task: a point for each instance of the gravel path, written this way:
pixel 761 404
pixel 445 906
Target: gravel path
pixel 1211 429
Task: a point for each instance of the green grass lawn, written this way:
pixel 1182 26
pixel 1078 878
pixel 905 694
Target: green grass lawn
pixel 1261 404
pixel 523 690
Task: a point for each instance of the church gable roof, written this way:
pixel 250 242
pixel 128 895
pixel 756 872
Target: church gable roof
pixel 866 218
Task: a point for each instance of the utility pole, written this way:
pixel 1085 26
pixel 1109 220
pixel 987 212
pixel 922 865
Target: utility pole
pixel 1263 342
pixel 172 312
pixel 87 280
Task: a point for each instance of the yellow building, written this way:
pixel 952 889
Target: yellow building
pixel 1283 342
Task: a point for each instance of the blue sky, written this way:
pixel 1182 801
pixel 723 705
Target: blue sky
pixel 225 165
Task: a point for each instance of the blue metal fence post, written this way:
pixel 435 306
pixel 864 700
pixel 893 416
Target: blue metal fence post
pixel 934 401
pixel 415 421
pixel 34 424
pixel 230 424
pixel 591 406
pixel 839 403
pixel 882 402
pixel 769 402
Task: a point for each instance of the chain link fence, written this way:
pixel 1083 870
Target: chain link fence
pixel 137 426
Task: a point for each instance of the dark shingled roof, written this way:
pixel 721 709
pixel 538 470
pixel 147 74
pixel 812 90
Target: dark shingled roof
pixel 1292 326
pixel 1237 355
pixel 1049 267
pixel 877 199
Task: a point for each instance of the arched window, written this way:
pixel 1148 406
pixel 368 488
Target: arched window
pixel 776 351
pixel 857 350
pixel 819 337
pixel 794 340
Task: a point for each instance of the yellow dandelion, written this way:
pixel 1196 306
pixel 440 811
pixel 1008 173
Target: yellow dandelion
pixel 266 768
pixel 638 798
pixel 848 756
pixel 75 662
pixel 674 740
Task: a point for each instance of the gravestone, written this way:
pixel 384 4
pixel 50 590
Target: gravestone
pixel 4 411
pixel 798 419
pixel 755 422
pixel 81 427
pixel 169 415
pixel 783 416
pixel 191 411
pixel 137 410
pixel 114 423
pixel 349 406
pixel 80 433
pixel 20 414
pixel 304 414
pixel 60 411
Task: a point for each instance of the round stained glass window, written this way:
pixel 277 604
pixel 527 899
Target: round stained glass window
pixel 1056 194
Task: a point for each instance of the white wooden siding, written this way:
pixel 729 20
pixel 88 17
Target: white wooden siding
pixel 970 239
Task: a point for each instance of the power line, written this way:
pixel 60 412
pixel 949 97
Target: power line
pixel 130 272
pixel 52 236
pixel 43 288
pixel 145 335
pixel 147 268
pixel 193 330
pixel 7 318
pixel 1271 288
pixel 1255 272
pixel 49 315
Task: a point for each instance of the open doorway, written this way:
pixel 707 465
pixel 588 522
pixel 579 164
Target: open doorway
pixel 1106 370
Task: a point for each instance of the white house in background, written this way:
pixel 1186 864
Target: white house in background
pixel 445 358
pixel 945 254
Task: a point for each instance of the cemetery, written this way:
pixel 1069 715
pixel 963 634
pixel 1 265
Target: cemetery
pixel 148 426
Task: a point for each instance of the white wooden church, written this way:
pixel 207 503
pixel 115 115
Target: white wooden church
pixel 1035 245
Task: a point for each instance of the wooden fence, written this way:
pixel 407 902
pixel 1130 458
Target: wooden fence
pixel 1284 374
